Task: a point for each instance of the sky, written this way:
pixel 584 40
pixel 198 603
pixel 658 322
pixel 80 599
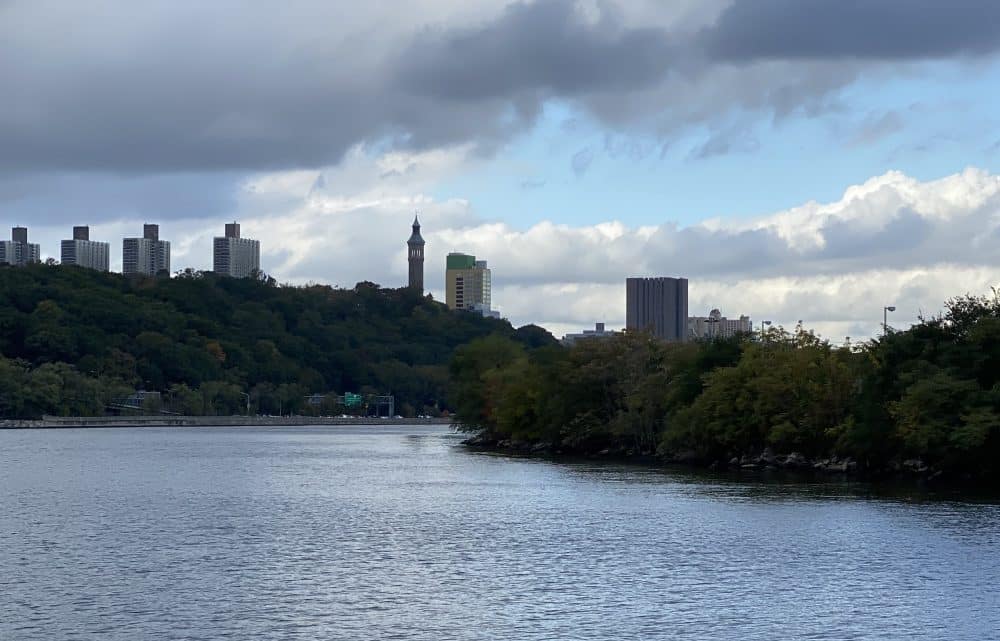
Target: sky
pixel 796 160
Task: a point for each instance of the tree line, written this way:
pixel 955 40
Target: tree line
pixel 927 397
pixel 75 342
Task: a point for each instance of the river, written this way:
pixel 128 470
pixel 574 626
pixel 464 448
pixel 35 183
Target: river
pixel 401 533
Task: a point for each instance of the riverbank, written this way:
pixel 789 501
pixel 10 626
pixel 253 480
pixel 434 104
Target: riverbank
pixel 50 422
pixel 767 460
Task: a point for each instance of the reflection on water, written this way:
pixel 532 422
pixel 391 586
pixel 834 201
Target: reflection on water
pixel 399 532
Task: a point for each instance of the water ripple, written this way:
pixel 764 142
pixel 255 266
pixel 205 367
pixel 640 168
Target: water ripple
pixel 398 533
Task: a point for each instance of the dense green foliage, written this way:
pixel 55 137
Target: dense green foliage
pixel 930 393
pixel 73 340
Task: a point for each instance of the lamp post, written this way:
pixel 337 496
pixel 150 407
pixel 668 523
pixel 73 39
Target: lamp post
pixel 885 318
pixel 710 321
pixel 762 325
pixel 248 402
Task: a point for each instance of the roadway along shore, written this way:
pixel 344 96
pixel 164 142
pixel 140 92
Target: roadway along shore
pixel 209 421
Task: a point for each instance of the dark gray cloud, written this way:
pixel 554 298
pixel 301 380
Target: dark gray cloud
pixel 725 142
pixel 548 47
pixel 847 241
pixel 161 86
pixel 58 198
pixel 860 29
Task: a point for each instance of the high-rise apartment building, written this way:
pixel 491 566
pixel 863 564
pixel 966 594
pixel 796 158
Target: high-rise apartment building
pixel 657 305
pixel 147 255
pixel 235 256
pixel 18 251
pixel 83 252
pixel 715 325
pixel 468 284
pixel 415 248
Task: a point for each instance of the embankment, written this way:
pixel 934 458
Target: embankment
pixel 47 422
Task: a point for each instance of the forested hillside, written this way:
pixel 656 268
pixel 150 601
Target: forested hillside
pixel 73 339
pixel 926 399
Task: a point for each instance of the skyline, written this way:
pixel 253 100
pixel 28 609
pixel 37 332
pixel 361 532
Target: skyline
pixel 693 140
pixel 961 197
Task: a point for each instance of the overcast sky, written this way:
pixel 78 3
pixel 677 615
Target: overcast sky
pixel 795 159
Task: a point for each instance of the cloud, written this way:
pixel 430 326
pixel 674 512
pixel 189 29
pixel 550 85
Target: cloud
pixel 877 126
pixel 71 198
pixel 551 48
pixel 734 140
pixel 751 30
pixel 160 87
pixel 582 160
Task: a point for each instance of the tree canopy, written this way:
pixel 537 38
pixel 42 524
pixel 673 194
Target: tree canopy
pixel 205 340
pixel 930 393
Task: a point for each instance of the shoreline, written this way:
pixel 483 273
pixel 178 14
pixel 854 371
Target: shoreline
pixel 793 464
pixel 73 422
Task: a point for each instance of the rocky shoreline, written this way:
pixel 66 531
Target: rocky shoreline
pixel 765 460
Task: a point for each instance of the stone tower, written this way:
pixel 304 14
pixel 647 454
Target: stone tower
pixel 416 257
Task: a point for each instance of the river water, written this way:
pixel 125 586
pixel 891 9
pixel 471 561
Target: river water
pixel 400 533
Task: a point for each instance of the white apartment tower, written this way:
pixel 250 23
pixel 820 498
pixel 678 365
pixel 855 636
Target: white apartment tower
pixel 18 251
pixel 83 252
pixel 147 255
pixel 715 325
pixel 235 256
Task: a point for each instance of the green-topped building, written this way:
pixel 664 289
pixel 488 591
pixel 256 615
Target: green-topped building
pixel 468 284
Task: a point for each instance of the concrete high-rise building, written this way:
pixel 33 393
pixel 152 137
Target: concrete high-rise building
pixel 416 257
pixel 468 284
pixel 18 251
pixel 657 305
pixel 83 252
pixel 235 256
pixel 147 255
pixel 715 325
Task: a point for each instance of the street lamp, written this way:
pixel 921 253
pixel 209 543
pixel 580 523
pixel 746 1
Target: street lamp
pixel 885 318
pixel 762 324
pixel 709 321
pixel 248 402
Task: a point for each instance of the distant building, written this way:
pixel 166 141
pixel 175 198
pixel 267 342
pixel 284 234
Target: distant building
pixel 415 247
pixel 235 256
pixel 147 255
pixel 83 252
pixel 657 305
pixel 468 284
pixel 597 332
pixel 715 325
pixel 485 310
pixel 18 251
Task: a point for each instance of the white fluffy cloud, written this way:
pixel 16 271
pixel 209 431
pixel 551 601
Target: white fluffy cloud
pixel 892 240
